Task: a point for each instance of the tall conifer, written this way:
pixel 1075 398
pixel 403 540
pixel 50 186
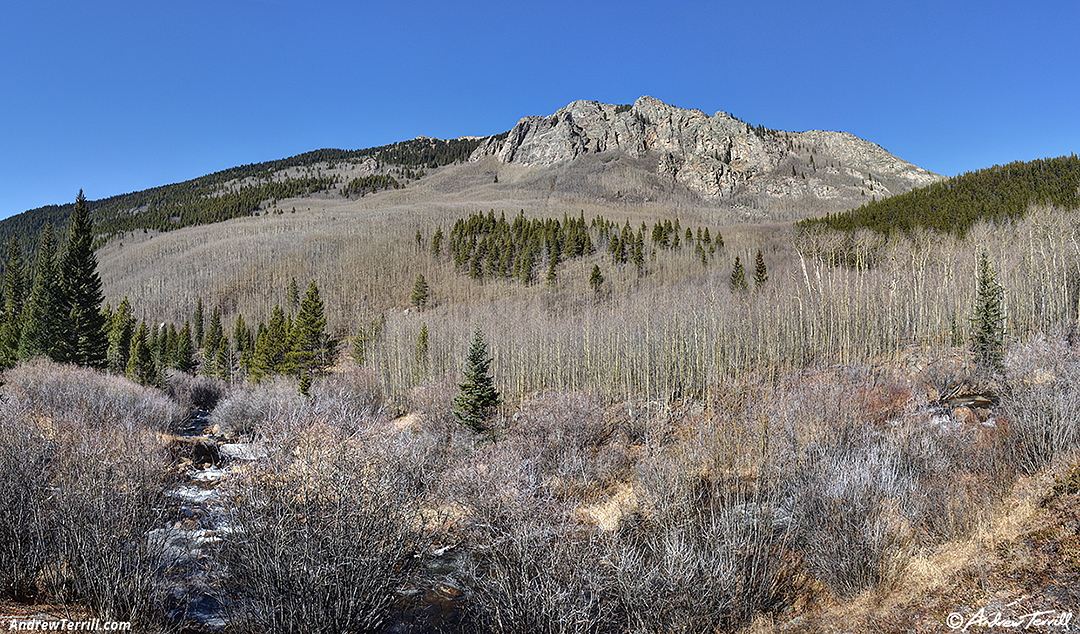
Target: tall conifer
pixel 311 350
pixel 477 396
pixel 11 326
pixel 43 319
pixel 82 296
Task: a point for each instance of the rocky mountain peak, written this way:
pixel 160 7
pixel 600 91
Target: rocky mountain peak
pixel 718 157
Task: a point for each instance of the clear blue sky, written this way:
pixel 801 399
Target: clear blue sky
pixel 113 97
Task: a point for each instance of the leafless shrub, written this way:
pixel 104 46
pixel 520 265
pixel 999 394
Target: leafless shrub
pixel 93 490
pixel 444 440
pixel 351 400
pixel 191 392
pixel 24 471
pixel 96 399
pixel 706 553
pixel 324 536
pixel 539 577
pixel 699 553
pixel 571 437
pixel 248 408
pixel 1042 419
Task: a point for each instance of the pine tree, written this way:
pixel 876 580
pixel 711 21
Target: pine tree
pixel 310 349
pixel 761 275
pixel 477 396
pixel 82 297
pixel 988 322
pixel 121 329
pixel 420 292
pixel 738 276
pixel 43 319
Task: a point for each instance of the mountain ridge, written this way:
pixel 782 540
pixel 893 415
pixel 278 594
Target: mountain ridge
pixel 647 151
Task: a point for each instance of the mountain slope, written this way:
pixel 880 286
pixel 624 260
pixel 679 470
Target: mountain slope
pixel 243 190
pixel 1001 192
pixel 648 152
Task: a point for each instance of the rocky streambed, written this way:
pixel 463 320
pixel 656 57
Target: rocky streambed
pixel 198 523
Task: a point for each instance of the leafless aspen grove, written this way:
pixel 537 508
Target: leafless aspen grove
pixel 671 455
pixel 668 333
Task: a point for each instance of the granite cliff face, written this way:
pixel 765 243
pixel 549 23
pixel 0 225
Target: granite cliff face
pixel 720 158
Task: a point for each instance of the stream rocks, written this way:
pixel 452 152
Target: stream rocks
pixel 192 577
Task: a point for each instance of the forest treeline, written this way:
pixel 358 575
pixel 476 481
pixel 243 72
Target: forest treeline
pixel 206 199
pixel 998 193
pixel 483 246
pixel 54 309
pixel 292 343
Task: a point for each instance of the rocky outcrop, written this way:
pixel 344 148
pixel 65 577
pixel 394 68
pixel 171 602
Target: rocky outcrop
pixel 717 157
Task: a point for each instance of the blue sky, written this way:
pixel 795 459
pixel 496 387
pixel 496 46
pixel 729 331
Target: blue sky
pixel 113 97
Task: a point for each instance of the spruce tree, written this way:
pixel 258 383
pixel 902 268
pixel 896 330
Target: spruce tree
pixel 761 275
pixel 11 326
pixel 198 319
pixel 272 343
pixel 81 287
pixel 293 295
pixel 223 360
pixel 367 335
pixel 121 329
pixel 140 367
pixel 43 320
pixel 596 279
pixel 311 350
pixel 422 354
pixel 171 342
pixel 638 253
pixel 244 343
pixel 738 276
pixel 436 242
pixel 988 322
pixel 420 292
pixel 477 395
pixel 185 350
pixel 214 332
